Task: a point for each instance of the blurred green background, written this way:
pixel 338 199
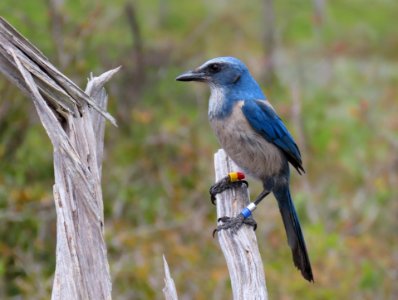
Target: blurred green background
pixel 330 68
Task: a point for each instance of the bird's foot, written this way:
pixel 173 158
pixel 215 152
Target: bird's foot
pixel 235 223
pixel 233 180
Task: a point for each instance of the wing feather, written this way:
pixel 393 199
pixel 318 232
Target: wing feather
pixel 267 123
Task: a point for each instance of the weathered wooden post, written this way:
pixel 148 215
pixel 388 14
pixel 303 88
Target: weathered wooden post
pixel 240 250
pixel 74 122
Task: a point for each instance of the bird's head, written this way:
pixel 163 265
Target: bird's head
pixel 220 71
pixel 228 75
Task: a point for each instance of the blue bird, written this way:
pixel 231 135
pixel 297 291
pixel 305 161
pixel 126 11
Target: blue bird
pixel 257 140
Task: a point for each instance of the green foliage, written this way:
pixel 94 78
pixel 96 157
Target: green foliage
pixel 338 66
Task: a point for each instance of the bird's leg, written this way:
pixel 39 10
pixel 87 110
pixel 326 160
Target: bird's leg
pixel 232 180
pixel 244 217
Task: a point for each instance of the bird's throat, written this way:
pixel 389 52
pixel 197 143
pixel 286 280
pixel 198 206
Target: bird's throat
pixel 219 105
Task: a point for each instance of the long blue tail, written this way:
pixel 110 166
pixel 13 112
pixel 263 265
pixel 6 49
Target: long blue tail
pixel 294 234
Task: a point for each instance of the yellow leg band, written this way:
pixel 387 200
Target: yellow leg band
pixel 235 176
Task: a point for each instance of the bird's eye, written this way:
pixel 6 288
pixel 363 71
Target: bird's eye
pixel 214 68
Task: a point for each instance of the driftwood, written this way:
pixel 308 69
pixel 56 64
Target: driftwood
pixel 240 250
pixel 74 122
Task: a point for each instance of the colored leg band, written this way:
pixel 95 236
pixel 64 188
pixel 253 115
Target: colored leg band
pixel 247 211
pixel 235 176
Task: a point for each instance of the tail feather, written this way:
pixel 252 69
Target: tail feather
pixel 294 234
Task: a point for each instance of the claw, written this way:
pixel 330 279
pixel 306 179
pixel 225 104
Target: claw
pixel 223 219
pixel 223 185
pixel 214 233
pixel 234 223
pixel 213 199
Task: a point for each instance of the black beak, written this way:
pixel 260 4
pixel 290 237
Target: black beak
pixel 192 76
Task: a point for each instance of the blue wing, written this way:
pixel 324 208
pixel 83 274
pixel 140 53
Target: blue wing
pixel 266 122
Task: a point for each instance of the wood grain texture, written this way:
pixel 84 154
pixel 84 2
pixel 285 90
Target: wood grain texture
pixel 57 89
pixel 240 250
pixel 74 121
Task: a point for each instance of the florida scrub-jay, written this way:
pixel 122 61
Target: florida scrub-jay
pixel 256 139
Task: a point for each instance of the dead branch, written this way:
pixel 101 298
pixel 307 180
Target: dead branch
pixel 240 250
pixel 74 122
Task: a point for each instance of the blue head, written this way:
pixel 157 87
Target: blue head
pixel 227 75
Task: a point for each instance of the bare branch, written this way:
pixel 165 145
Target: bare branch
pixel 240 250
pixel 63 93
pixel 169 290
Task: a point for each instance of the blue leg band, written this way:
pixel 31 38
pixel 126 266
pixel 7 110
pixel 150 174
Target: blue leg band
pixel 246 212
